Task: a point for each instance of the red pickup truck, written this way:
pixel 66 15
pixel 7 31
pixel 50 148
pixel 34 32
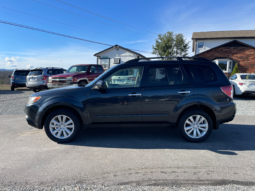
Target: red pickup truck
pixel 80 74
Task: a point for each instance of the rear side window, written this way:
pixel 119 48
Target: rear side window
pixel 35 73
pixel 199 74
pixel 166 76
pixel 55 71
pixel 100 69
pixel 21 73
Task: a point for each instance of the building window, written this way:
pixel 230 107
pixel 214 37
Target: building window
pixel 224 64
pixel 200 45
pixel 105 62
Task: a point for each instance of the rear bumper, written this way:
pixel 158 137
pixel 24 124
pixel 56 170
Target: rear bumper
pixel 249 92
pixel 60 85
pixel 18 84
pixel 35 85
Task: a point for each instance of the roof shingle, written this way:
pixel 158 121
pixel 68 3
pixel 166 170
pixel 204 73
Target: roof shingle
pixel 224 34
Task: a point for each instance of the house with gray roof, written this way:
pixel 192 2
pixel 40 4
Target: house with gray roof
pixel 226 48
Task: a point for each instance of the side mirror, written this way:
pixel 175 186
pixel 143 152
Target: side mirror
pixel 9 76
pixel 100 85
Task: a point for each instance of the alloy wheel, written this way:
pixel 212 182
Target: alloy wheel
pixel 196 126
pixel 61 126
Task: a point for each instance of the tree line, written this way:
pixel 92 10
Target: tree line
pixel 4 76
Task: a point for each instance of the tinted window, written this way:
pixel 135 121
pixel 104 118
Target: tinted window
pixel 200 73
pixel 248 77
pixel 93 70
pixel 21 73
pixel 35 73
pixel 125 81
pixel 100 69
pixel 55 71
pixel 165 75
pixel 77 69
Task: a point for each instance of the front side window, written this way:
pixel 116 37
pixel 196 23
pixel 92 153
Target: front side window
pixel 125 78
pixel 100 69
pixel 165 76
pixel 93 70
pixel 199 74
pixel 77 69
pixel 248 77
pixel 200 45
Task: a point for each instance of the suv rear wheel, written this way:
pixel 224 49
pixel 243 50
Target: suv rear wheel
pixel 61 126
pixel 195 126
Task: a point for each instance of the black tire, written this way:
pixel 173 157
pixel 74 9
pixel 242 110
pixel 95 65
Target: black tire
pixel 12 88
pixel 234 91
pixel 36 90
pixel 190 113
pixel 83 83
pixel 68 114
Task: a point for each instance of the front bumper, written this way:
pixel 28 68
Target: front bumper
pixel 31 112
pixel 60 85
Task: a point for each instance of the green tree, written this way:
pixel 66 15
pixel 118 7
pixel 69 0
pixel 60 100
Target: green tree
pixel 235 70
pixel 170 44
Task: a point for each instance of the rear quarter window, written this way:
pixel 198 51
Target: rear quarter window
pixel 21 73
pixel 199 74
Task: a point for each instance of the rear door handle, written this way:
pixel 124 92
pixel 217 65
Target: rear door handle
pixel 134 95
pixel 184 92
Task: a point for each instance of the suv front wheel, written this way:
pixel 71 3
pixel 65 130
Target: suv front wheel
pixel 195 126
pixel 61 126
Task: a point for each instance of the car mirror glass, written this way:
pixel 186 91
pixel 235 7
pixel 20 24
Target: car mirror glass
pixel 100 85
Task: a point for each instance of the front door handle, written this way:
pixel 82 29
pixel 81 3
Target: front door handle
pixel 184 92
pixel 134 95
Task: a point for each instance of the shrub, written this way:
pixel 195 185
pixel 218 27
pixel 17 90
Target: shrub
pixel 235 70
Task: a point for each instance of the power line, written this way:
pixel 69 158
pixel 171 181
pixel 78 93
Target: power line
pixel 90 18
pixel 59 34
pixel 60 22
pixel 103 16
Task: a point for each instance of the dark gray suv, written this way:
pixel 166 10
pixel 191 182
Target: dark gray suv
pixel 192 94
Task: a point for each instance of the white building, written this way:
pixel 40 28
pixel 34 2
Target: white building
pixel 115 55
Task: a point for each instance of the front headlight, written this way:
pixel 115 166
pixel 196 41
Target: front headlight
pixel 69 79
pixel 33 100
pixel 50 79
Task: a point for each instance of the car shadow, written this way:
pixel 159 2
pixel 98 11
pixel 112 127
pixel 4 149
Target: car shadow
pixel 228 139
pixel 244 97
pixel 11 92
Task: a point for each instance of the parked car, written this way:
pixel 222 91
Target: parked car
pixel 18 78
pixel 243 83
pixel 194 95
pixel 37 78
pixel 80 74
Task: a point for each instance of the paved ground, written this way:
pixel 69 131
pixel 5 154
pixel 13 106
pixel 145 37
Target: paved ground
pixel 125 158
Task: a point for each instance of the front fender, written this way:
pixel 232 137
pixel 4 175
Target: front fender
pixel 61 101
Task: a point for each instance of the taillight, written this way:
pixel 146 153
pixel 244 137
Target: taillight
pixel 44 77
pixel 12 77
pixel 228 90
pixel 241 84
pixel 132 78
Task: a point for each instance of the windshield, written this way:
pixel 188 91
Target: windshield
pixel 248 77
pixel 77 69
pixel 35 73
pixel 102 75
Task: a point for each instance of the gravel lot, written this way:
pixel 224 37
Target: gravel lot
pixel 12 102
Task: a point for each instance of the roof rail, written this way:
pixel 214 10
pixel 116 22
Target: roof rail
pixel 171 58
pixel 55 67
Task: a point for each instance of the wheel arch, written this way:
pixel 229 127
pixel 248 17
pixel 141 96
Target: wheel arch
pixel 53 108
pixel 202 107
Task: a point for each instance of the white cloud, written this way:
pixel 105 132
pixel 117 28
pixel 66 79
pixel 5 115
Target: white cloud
pixel 11 61
pixel 29 67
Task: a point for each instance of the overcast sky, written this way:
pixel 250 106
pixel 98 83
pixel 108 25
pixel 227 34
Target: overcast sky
pixel 21 48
